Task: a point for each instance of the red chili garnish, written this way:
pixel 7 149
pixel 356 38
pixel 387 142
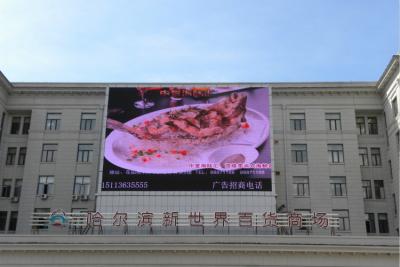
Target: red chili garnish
pixel 144 159
pixel 183 152
pixel 245 125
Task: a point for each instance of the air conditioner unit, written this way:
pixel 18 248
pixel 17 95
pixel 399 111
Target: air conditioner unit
pixel 84 197
pixel 15 199
pixel 43 196
pixel 75 197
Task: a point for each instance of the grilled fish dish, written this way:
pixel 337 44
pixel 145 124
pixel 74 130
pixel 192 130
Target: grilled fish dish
pixel 192 125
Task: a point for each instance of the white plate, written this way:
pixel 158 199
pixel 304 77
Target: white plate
pixel 117 144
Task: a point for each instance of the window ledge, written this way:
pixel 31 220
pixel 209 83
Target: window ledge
pixel 300 132
pixel 84 163
pixel 339 196
pixel 296 196
pixel 300 163
pixel 341 163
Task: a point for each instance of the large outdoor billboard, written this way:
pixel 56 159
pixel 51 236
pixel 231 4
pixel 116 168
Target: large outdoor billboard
pixel 189 138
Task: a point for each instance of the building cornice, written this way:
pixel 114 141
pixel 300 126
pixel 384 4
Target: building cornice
pixel 5 83
pixel 201 244
pixel 390 69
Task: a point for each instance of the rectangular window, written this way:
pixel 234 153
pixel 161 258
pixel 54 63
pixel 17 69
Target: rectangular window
pixel 379 189
pixel 299 153
pixel 363 152
pixel 360 121
pixel 376 156
pixel 367 189
pixel 17 188
pixel 301 186
pixel 394 203
pixel 394 107
pixel 3 220
pixel 12 226
pixel 338 185
pixel 6 188
pixel 22 156
pixel 11 154
pixel 26 125
pixel 335 152
pixel 82 185
pixel 297 121
pixel 53 121
pixel 88 121
pixel 85 152
pixel 42 216
pixel 344 220
pixel 15 125
pixel 398 139
pixel 372 125
pixel 333 122
pixel 370 222
pixel 45 185
pixel 49 152
pixel 383 223
pixel 390 169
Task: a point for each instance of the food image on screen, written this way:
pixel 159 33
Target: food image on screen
pixel 199 146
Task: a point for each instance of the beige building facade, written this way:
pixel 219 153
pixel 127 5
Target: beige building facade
pixel 336 149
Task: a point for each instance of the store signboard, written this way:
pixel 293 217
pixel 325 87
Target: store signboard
pixel 188 139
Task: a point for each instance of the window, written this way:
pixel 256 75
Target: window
pixel 22 156
pixel 26 125
pixel 3 220
pixel 85 152
pixel 376 156
pixel 379 189
pixel 333 121
pixel 304 218
pixel 301 186
pixel 390 169
pixel 370 222
pixel 363 152
pixel 299 153
pixel 372 125
pixel 394 203
pixel 6 188
pixel 367 189
pixel 398 139
pixel 394 107
pixel 335 153
pixel 17 188
pixel 338 185
pixel 42 214
pixel 344 220
pixel 383 223
pixel 15 125
pixel 11 154
pixel 297 121
pixel 12 226
pixel 88 121
pixel 49 152
pixel 82 185
pixel 360 121
pixel 53 121
pixel 45 185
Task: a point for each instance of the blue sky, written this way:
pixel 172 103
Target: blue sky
pixel 197 40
